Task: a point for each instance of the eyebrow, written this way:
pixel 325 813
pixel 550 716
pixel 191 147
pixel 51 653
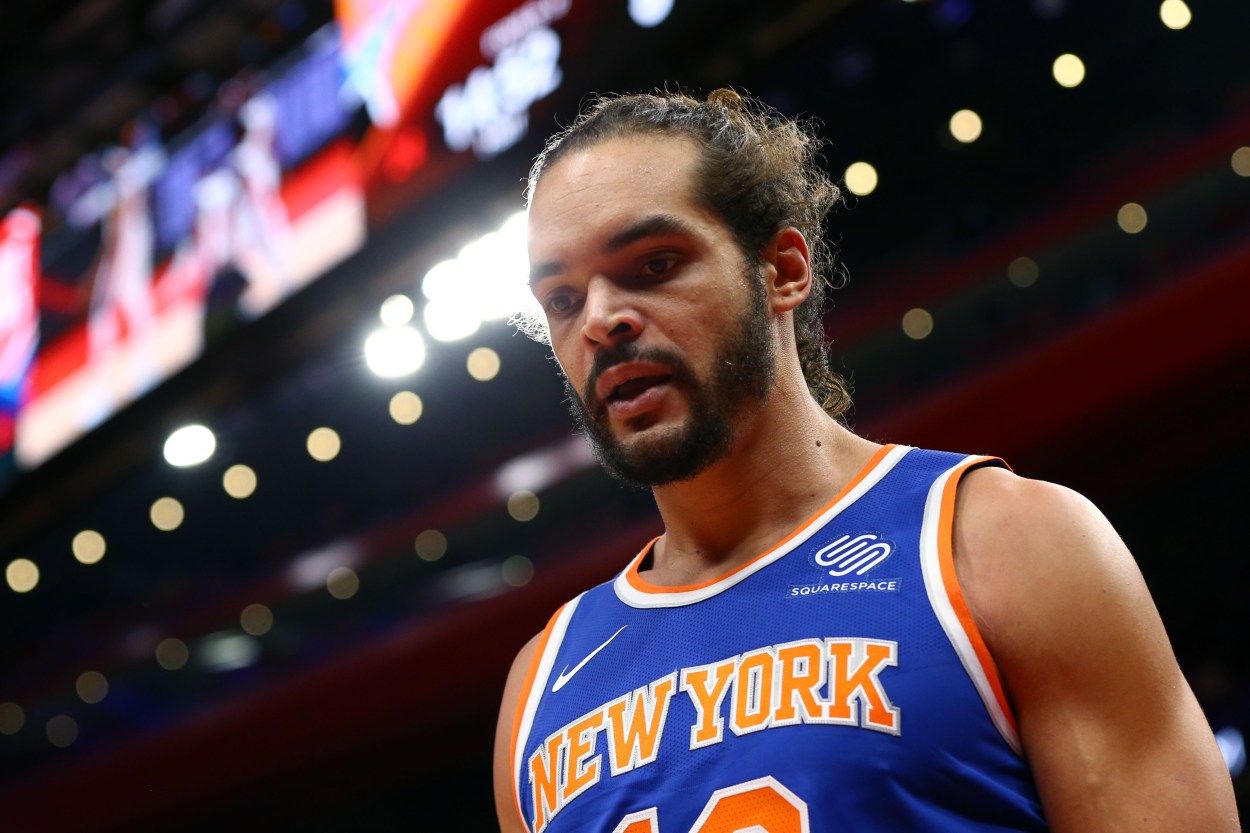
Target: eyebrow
pixel 656 225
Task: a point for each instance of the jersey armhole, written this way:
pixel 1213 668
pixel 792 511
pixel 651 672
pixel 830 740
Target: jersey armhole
pixel 532 690
pixel 947 599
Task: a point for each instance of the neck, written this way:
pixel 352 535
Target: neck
pixel 786 464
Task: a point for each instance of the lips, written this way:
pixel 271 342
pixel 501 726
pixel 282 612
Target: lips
pixel 636 387
pixel 632 385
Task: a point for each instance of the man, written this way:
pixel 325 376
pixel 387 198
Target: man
pixel 830 634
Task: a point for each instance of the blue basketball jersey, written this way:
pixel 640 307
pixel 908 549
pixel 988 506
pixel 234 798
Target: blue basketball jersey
pixel 834 683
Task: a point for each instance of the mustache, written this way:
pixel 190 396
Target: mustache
pixel 628 351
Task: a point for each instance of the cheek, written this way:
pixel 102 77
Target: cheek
pixel 567 362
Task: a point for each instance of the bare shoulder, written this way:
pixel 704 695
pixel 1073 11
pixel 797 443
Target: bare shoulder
pixel 1110 727
pixel 1028 542
pixel 505 804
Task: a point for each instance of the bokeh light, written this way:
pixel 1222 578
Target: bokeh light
pixel 917 323
pixel 966 126
pixel 1175 14
pixel 239 481
pixel 167 514
pixel 517 570
pixel 392 352
pixel 12 718
pixel 487 281
pixel 406 407
pixel 483 364
pixel 396 311
pixel 860 179
pixel 1241 161
pixel 1069 70
pixel 431 545
pixel 172 654
pixel 190 446
pixel 62 731
pixel 22 575
pixel 324 444
pixel 1022 272
pixel 523 505
pixel 92 686
pixel 343 583
pixel 88 547
pixel 1131 218
pixel 256 619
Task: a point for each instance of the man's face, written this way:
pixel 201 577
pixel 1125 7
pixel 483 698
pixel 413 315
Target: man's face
pixel 661 328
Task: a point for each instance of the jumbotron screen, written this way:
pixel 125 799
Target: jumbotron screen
pixel 149 250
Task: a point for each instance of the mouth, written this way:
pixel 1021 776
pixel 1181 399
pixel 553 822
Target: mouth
pixel 633 389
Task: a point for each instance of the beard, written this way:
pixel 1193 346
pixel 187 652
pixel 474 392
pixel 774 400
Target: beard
pixel 742 374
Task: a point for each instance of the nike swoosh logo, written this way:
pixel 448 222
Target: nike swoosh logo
pixel 567 675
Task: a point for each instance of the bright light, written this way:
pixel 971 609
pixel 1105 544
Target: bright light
pixel 167 514
pixel 917 323
pixel 1068 70
pixel 256 619
pixel 227 651
pixel 324 444
pixel 190 446
pixel 22 575
pixel 1131 217
pixel 406 407
pixel 88 546
pixel 396 311
pixel 442 281
pixel 239 481
pixel 496 268
pixel 648 13
pixel 861 179
pixel 1175 14
pixel 487 281
pixel 172 654
pixel 966 126
pixel 1233 748
pixel 1241 161
pixel 343 583
pixel 483 364
pixel 448 321
pixel 310 570
pixel 92 686
pixel 431 545
pixel 394 351
pixel 1022 272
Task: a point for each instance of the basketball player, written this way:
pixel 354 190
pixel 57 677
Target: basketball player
pixel 831 634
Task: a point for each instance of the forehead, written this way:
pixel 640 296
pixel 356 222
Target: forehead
pixel 592 191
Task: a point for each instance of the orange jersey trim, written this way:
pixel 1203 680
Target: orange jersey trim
pixel 642 585
pixel 950 581
pixel 522 700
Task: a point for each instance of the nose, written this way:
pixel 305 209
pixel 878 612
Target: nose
pixel 610 316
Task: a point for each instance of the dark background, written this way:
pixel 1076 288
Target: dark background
pixel 1120 372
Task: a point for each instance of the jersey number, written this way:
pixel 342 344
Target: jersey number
pixel 759 806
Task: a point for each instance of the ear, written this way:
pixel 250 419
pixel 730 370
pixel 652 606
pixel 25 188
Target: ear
pixel 786 266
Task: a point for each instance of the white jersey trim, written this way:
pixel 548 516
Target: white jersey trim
pixel 634 597
pixel 939 599
pixel 543 673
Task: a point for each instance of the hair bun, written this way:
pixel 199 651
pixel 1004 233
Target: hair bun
pixel 726 98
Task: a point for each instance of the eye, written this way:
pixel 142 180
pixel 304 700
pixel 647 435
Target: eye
pixel 558 304
pixel 655 267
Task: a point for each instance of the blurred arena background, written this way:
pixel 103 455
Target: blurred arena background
pixel 281 493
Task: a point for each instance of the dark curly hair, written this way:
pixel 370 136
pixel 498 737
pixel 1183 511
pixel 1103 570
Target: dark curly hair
pixel 758 172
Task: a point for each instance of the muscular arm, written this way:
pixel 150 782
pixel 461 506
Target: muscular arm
pixel 505 804
pixel 1111 729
